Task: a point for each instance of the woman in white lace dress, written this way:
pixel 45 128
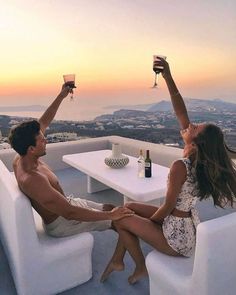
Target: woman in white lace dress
pixel 205 170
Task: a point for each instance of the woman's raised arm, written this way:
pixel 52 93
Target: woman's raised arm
pixel 176 98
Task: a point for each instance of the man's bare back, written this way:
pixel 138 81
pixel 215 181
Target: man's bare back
pixel 23 175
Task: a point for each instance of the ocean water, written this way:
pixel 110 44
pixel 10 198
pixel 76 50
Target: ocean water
pixel 84 106
pixel 72 111
pixel 77 110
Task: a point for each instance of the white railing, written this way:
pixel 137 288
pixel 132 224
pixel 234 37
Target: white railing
pixel 160 154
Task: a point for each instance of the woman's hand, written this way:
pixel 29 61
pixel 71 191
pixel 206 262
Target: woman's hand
pixel 161 62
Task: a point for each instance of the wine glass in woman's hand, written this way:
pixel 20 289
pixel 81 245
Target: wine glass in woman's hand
pixel 156 68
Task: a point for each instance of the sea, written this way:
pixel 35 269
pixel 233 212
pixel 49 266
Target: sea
pixel 71 110
pixel 74 112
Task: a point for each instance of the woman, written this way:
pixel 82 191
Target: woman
pixel 205 170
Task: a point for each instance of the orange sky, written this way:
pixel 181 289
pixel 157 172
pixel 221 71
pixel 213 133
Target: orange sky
pixel 109 45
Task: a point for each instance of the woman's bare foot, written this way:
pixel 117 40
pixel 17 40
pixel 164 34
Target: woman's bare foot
pixel 117 266
pixel 137 275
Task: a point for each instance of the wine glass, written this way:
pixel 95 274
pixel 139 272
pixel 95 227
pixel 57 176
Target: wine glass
pixel 157 69
pixel 70 81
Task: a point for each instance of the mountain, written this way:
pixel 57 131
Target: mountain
pixel 194 106
pixel 216 105
pixel 140 107
pixel 162 106
pixel 123 113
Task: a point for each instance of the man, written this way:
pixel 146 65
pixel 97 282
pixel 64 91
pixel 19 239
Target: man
pixel 62 216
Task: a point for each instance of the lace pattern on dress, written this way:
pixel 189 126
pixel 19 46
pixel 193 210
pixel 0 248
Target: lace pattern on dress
pixel 179 232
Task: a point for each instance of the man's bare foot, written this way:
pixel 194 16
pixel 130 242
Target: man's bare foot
pixel 110 268
pixel 137 275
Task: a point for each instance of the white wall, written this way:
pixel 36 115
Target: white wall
pixel 160 154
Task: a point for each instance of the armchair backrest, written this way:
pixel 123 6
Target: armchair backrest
pixel 17 226
pixel 214 270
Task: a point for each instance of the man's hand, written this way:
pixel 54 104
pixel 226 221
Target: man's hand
pixel 65 90
pixel 120 212
pixel 50 112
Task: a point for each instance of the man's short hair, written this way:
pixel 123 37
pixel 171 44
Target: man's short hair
pixel 22 136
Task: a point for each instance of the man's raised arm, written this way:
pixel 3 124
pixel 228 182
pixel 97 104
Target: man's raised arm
pixel 176 98
pixel 51 111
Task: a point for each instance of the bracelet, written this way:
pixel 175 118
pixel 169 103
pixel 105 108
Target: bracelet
pixel 175 94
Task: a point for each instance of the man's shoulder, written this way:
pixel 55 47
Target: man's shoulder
pixel 16 160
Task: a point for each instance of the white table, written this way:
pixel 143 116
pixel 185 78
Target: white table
pixel 123 180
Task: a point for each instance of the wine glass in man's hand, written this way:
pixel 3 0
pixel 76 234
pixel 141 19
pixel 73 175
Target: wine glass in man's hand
pixel 70 81
pixel 157 69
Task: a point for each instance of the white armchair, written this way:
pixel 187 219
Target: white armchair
pixel 40 264
pixel 211 271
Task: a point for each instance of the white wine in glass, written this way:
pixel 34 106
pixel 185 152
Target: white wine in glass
pixel 70 81
pixel 157 69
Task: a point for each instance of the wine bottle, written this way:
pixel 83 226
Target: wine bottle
pixel 141 165
pixel 148 165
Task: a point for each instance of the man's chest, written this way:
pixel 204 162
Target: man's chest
pixel 44 169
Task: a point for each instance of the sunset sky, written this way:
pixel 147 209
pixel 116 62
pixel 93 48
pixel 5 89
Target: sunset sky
pixel 109 45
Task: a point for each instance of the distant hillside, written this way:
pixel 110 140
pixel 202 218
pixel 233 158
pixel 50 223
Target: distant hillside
pixel 162 106
pixel 215 105
pixel 137 107
pixel 123 114
pixel 195 106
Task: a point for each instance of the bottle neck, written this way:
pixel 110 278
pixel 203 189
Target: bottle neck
pixel 147 154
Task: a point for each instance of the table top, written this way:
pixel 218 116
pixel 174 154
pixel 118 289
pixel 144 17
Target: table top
pixel 125 180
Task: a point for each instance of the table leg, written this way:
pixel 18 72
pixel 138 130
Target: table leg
pixel 156 202
pixel 94 186
pixel 127 199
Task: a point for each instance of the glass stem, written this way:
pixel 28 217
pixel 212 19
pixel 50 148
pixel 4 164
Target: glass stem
pixel 155 81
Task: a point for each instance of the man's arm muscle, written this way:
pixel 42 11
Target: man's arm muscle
pixel 53 201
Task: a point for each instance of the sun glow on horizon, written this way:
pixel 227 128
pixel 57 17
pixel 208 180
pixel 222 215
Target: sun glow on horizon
pixel 109 46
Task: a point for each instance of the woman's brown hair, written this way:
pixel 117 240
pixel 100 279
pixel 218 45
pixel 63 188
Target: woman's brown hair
pixel 215 171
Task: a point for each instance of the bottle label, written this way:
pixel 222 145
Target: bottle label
pixel 147 164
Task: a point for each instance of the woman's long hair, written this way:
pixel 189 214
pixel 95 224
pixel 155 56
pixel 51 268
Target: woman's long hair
pixel 215 171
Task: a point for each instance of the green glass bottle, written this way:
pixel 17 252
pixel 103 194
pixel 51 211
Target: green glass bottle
pixel 148 165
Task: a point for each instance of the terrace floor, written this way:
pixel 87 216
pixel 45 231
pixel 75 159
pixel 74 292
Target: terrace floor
pixel 74 182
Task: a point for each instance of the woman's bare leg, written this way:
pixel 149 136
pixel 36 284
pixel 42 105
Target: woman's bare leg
pixel 116 263
pixel 132 227
pixel 147 230
pixel 131 243
pixel 142 209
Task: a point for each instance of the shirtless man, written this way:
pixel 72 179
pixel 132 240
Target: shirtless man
pixel 62 215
